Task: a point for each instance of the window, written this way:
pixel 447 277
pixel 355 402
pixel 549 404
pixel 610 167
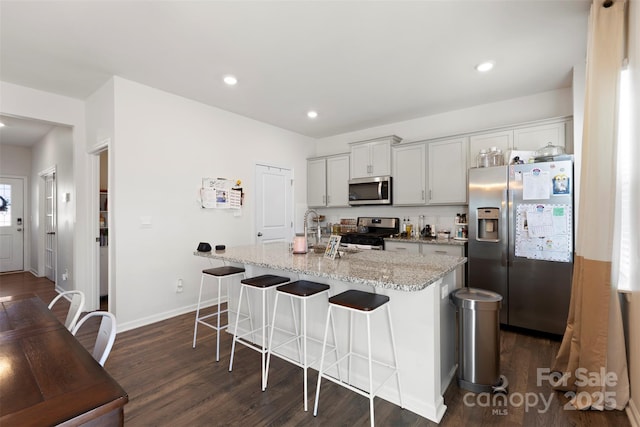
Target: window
pixel 5 205
pixel 626 227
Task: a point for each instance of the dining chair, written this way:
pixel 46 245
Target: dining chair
pixel 106 334
pixel 77 304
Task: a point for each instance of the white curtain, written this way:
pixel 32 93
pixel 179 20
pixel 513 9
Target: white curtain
pixel 593 343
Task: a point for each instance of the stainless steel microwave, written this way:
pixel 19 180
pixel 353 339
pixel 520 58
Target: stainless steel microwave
pixel 374 190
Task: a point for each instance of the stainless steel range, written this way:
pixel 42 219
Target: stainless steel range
pixel 371 232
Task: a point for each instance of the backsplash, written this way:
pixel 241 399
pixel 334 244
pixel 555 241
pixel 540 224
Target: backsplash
pixel 443 217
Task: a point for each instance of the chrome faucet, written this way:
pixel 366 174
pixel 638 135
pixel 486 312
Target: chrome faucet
pixel 318 232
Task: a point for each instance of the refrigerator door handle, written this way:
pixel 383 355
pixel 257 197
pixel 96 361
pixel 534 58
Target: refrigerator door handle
pixel 507 197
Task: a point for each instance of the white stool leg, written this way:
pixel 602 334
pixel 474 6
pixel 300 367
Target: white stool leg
pixel 264 341
pixel 273 324
pixel 195 327
pixel 305 367
pixel 235 331
pixel 324 344
pixel 370 368
pixel 218 322
pixel 395 355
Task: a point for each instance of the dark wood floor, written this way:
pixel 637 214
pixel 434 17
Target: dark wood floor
pixel 169 383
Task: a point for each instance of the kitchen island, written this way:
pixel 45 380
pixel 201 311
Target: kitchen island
pixel 423 319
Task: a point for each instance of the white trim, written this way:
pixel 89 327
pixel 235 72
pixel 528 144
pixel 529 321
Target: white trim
pixel 633 414
pixel 158 317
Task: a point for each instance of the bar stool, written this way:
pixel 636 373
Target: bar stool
pixel 364 303
pixel 219 273
pixel 302 290
pixel 261 284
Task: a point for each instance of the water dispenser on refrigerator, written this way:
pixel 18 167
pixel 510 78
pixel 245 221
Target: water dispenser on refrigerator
pixel 488 224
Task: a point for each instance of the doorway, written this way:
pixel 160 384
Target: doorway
pixel 274 204
pixel 50 225
pixel 103 239
pixel 11 224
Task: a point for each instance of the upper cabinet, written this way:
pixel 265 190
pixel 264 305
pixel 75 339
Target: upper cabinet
pixel 317 182
pixel 372 157
pixel 338 180
pixel 328 181
pixel 535 137
pixel 448 171
pixel 527 137
pixel 409 174
pixel 502 140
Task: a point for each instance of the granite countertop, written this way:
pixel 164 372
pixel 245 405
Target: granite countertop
pixel 389 270
pixel 428 241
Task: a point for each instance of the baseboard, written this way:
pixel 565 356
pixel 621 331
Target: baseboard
pixel 633 414
pixel 158 317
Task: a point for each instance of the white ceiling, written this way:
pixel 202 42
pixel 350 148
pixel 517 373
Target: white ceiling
pixel 22 132
pixel 358 63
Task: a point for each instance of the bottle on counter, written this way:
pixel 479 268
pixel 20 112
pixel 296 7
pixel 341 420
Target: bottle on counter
pixel 409 228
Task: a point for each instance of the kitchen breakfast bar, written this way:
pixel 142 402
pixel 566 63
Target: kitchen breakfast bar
pixel 423 319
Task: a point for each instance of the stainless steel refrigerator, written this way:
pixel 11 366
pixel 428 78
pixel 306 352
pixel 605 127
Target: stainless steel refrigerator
pixel 521 240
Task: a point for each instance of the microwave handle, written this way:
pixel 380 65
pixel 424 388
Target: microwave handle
pixel 380 190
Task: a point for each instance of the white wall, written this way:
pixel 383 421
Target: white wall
pixel 15 160
pixel 54 150
pixel 163 146
pixel 25 102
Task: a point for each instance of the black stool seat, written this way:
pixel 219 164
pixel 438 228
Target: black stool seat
pixel 223 271
pixel 303 288
pixel 265 281
pixel 359 300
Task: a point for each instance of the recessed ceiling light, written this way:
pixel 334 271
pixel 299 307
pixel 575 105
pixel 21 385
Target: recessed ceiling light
pixel 1 124
pixel 485 66
pixel 312 114
pixel 230 80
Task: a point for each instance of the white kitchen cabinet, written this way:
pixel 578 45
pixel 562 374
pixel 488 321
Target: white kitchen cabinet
pixel 317 182
pixel 502 140
pixel 409 174
pixel 448 171
pixel 372 157
pixel 338 180
pixel 409 247
pixel 535 137
pixel 328 181
pixel 451 250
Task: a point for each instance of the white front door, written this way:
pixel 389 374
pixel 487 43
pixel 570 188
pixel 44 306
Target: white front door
pixel 11 224
pixel 274 204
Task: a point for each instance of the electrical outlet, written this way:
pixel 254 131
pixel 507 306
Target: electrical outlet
pixel 65 275
pixel 179 286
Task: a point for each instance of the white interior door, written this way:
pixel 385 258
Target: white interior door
pixel 50 222
pixel 11 224
pixel 274 204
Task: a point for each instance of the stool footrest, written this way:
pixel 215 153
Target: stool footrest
pixel 354 388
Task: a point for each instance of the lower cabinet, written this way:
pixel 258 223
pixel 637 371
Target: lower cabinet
pixel 408 247
pixel 451 250
pixel 418 247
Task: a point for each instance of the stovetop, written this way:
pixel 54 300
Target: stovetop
pixel 377 228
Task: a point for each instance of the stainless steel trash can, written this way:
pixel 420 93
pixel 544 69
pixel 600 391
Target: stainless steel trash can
pixel 478 313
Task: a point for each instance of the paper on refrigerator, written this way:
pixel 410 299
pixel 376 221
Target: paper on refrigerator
pixel 544 232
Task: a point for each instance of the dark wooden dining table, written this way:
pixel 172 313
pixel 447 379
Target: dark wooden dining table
pixel 46 376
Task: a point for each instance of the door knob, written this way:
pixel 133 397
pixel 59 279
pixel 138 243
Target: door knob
pixel 259 234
